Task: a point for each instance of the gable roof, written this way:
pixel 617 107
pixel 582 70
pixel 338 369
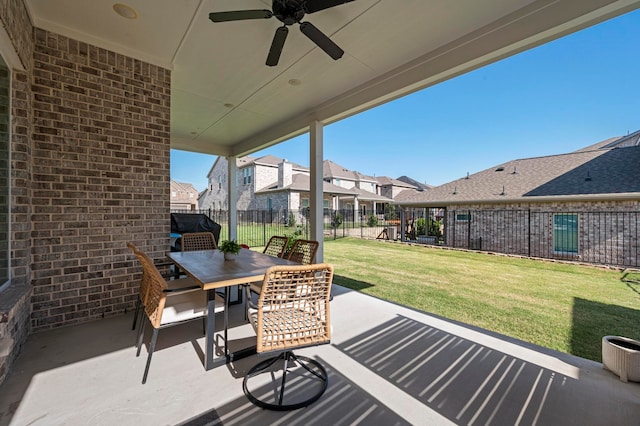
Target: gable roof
pixel 302 182
pixel 419 185
pixel 335 170
pixel 605 173
pixel 386 180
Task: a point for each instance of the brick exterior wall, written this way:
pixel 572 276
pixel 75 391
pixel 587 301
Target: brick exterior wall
pixel 15 301
pixel 100 177
pixel 607 230
pixel 215 196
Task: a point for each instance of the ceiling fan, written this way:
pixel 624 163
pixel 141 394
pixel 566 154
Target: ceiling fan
pixel 288 12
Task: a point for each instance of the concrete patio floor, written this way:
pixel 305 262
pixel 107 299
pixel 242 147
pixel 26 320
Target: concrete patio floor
pixel 387 364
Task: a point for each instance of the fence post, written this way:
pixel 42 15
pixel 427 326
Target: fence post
pixel 469 229
pixel 529 232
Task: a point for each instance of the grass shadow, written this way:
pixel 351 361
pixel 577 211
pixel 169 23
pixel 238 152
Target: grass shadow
pixel 587 319
pixel 351 283
pixel 632 280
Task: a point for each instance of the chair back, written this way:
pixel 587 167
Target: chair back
pixel 144 281
pixel 293 307
pixel 276 246
pixel 152 287
pixel 193 241
pixel 303 251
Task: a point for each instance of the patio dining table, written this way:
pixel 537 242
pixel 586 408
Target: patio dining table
pixel 212 272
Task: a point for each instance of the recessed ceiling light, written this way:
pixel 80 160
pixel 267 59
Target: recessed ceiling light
pixel 295 82
pixel 125 11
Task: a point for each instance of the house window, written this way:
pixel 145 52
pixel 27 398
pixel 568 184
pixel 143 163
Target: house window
pixel 219 182
pixel 463 217
pixel 269 204
pixel 304 203
pixel 5 176
pixel 325 204
pixel 336 182
pixel 565 233
pixel 246 175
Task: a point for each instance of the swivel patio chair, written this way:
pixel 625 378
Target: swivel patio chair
pixel 174 286
pixel 293 312
pixel 163 310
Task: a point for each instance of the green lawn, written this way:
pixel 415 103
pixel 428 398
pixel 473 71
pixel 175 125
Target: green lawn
pixel 560 306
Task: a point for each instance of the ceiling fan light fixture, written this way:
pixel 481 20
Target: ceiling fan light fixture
pixel 288 12
pixel 125 11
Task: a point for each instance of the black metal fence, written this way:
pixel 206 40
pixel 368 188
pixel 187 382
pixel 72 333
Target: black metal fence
pixel 598 237
pixel 601 237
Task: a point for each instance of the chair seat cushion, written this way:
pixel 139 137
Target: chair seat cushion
pixel 305 328
pixel 188 305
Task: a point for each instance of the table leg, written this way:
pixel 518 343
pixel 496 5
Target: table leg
pixel 210 360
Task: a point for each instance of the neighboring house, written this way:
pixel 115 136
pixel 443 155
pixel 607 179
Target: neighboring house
pixel 583 205
pixel 272 183
pixel 391 188
pixel 253 175
pixel 367 199
pixel 183 196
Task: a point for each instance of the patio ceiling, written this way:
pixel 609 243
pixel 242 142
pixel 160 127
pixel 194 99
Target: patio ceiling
pixel 225 101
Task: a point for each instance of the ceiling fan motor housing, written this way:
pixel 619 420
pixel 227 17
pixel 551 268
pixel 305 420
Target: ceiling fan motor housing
pixel 288 12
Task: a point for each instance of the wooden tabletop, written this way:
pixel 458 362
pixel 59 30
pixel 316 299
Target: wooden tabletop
pixel 209 269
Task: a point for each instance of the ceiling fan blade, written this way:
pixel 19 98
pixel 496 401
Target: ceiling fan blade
pixel 240 15
pixel 276 46
pixel 319 38
pixel 311 6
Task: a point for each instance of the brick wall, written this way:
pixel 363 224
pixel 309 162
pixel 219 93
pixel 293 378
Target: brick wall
pixel 100 177
pixel 607 230
pixel 14 301
pixel 215 196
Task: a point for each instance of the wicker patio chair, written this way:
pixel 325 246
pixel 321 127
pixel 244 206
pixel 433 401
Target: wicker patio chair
pixel 303 251
pixel 165 311
pixel 194 241
pixel 173 286
pixel 198 241
pixel 276 246
pixel 293 312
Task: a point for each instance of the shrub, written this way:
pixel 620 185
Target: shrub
pixel 336 220
pixel 390 213
pixel 372 220
pixel 434 228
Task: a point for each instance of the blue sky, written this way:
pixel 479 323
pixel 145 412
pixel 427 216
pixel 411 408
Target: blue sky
pixel 556 98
